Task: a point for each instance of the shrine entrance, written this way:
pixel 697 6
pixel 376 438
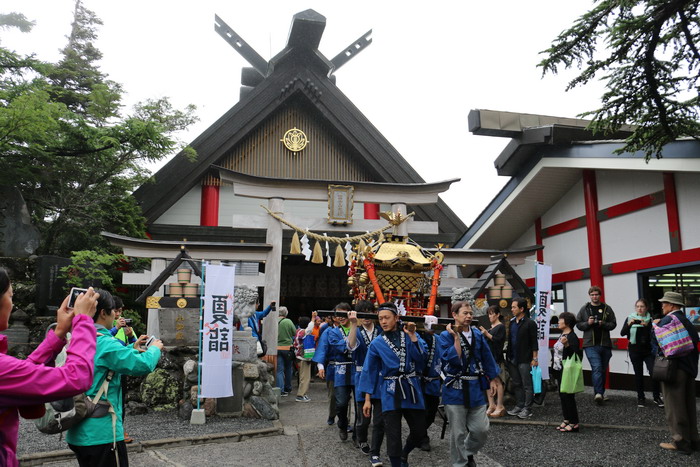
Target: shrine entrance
pixel 305 287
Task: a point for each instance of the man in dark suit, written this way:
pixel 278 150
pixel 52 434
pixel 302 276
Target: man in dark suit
pixel 521 357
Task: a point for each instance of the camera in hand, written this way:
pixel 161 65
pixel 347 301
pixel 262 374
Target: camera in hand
pixel 74 292
pixel 128 321
pixel 149 341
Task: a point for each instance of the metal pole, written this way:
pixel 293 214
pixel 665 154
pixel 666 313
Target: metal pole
pixel 201 333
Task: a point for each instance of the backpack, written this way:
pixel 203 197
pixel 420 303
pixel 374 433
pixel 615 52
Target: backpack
pixel 64 414
pixel 673 338
pixel 261 346
pixel 309 346
pixel 298 343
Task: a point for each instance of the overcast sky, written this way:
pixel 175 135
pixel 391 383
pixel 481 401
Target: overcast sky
pixel 428 65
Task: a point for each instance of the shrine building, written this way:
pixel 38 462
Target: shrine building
pixel 295 147
pixel 615 221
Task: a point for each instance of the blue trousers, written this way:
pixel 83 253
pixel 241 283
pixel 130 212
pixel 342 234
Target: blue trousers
pixel 599 358
pixel 285 362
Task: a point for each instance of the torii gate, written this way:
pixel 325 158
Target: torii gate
pixel 275 191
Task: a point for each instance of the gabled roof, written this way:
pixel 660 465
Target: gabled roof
pixel 300 69
pixel 544 163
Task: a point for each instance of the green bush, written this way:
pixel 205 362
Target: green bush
pixel 91 268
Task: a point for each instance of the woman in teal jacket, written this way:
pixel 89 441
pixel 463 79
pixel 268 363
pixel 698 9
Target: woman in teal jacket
pixel 100 441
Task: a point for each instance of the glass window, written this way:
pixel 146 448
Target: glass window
pixel 683 280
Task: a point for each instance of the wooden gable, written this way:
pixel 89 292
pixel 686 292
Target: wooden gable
pixel 327 156
pixel 297 88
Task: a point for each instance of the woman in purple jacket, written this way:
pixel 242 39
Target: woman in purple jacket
pixel 26 383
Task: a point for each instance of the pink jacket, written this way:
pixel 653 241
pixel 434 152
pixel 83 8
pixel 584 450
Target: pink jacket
pixel 34 381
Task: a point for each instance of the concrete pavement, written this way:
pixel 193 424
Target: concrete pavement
pixel 306 441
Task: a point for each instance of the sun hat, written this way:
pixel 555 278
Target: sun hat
pixel 673 297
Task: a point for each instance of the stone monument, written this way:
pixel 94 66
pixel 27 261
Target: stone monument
pixel 18 237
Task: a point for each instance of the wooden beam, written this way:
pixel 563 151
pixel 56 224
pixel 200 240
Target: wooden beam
pixel 241 221
pixel 317 190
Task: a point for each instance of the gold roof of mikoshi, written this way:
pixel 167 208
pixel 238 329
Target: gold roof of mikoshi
pixel 401 254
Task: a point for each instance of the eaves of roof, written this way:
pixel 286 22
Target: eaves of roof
pixel 178 176
pixel 549 172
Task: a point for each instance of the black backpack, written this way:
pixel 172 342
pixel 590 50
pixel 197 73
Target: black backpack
pixel 64 414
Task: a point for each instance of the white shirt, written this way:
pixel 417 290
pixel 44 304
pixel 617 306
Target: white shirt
pixel 468 335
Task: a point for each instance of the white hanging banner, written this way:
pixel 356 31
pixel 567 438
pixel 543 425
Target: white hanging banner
pixel 217 331
pixel 543 314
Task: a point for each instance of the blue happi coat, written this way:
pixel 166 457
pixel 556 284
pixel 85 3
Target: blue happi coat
pixel 323 353
pixel 359 353
pixel 381 367
pixel 453 367
pixel 339 357
pixel 432 385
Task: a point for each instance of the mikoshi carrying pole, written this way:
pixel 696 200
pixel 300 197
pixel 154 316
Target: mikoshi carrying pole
pixel 362 315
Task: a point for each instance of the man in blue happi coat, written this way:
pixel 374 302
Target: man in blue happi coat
pixel 395 361
pixel 359 341
pixel 335 351
pixel 469 369
pixel 432 385
pixel 326 371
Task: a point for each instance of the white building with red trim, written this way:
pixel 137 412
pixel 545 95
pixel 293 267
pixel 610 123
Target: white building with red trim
pixel 616 221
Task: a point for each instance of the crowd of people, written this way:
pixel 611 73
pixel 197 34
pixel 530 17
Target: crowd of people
pixel 391 372
pixel 102 349
pixel 381 365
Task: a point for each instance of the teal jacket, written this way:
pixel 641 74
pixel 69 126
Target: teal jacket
pixel 124 360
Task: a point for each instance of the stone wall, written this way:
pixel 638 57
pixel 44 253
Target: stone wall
pixel 173 385
pixel 253 385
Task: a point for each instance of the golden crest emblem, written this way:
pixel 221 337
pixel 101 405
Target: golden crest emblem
pixel 181 303
pixel 295 140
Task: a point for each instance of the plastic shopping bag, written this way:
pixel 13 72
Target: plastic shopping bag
pixel 536 373
pixel 572 375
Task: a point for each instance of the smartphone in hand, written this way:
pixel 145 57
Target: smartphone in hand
pixel 74 292
pixel 149 342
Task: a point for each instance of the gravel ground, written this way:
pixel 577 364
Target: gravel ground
pixel 632 441
pixel 155 425
pixel 513 444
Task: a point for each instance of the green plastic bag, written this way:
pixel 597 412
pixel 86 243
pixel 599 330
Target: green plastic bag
pixel 572 375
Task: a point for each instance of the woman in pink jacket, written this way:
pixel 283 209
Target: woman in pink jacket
pixel 26 383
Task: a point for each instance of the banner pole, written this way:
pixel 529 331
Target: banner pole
pixel 201 334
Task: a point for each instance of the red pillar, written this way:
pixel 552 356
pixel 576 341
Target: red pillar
pixel 674 223
pixel 209 211
pixel 371 211
pixel 595 252
pixel 538 239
